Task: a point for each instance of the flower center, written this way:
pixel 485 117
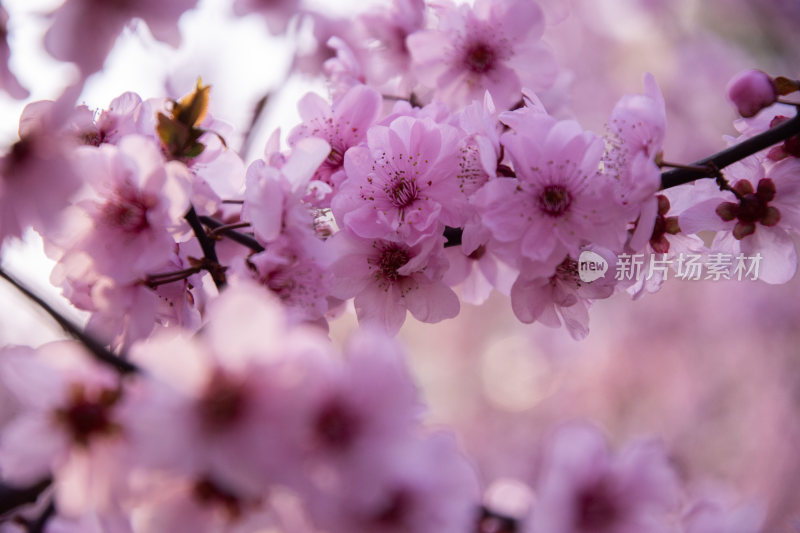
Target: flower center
pixel 207 491
pixel 596 509
pixel 753 206
pixel 86 417
pixel 93 138
pixel 664 225
pixel 554 200
pixel 479 252
pixel 21 152
pixel 402 193
pixel 479 58
pixel 128 211
pixel 567 270
pixel 394 510
pixel 335 158
pixel 336 426
pixel 391 260
pixel 222 403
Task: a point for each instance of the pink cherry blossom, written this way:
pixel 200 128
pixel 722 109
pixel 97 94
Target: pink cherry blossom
pixel 359 408
pixel 759 220
pixel 227 398
pixel 584 488
pixel 69 425
pixel 139 200
pixel 563 297
pixel 84 31
pixel 341 125
pixel 345 70
pixel 479 265
pixel 492 46
pixel 386 30
pixel 108 125
pixel 389 278
pixel 425 486
pixel 480 147
pixel 326 27
pixel 214 414
pixel 401 185
pixel 637 129
pixel 39 161
pixel 477 274
pixel 432 171
pixel 91 522
pixel 751 91
pixel 551 208
pixel 717 513
pixel 201 505
pixel 295 268
pixel 667 245
pixel 436 111
pixel 123 313
pixel 273 197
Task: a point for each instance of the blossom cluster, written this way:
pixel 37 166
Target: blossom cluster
pixel 255 424
pixel 439 170
pixel 369 195
pixel 214 425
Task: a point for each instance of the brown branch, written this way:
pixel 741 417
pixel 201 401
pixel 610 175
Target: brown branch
pixel 13 497
pixel 241 238
pixel 95 347
pixel 720 160
pixel 207 245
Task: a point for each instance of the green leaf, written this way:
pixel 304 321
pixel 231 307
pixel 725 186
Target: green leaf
pixel 192 108
pixel 195 150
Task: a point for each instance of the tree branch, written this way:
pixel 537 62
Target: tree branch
pixel 258 110
pixel 720 160
pixel 493 522
pixel 39 524
pixel 95 347
pixel 708 167
pixel 453 236
pixel 207 245
pixel 13 497
pixel 241 238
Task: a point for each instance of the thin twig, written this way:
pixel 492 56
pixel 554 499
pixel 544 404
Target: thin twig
pixel 95 347
pixel 709 167
pixel 710 170
pixel 155 280
pixel 720 160
pixel 227 227
pixel 453 236
pixel 38 525
pixel 490 521
pixel 248 134
pixel 185 273
pixel 241 238
pixel 13 497
pixel 207 245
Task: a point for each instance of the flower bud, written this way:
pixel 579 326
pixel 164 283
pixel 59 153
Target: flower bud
pixel 751 91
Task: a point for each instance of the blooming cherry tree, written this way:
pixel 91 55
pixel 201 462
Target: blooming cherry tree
pixel 209 384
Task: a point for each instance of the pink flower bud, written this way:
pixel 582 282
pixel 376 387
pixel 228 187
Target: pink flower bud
pixel 751 91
